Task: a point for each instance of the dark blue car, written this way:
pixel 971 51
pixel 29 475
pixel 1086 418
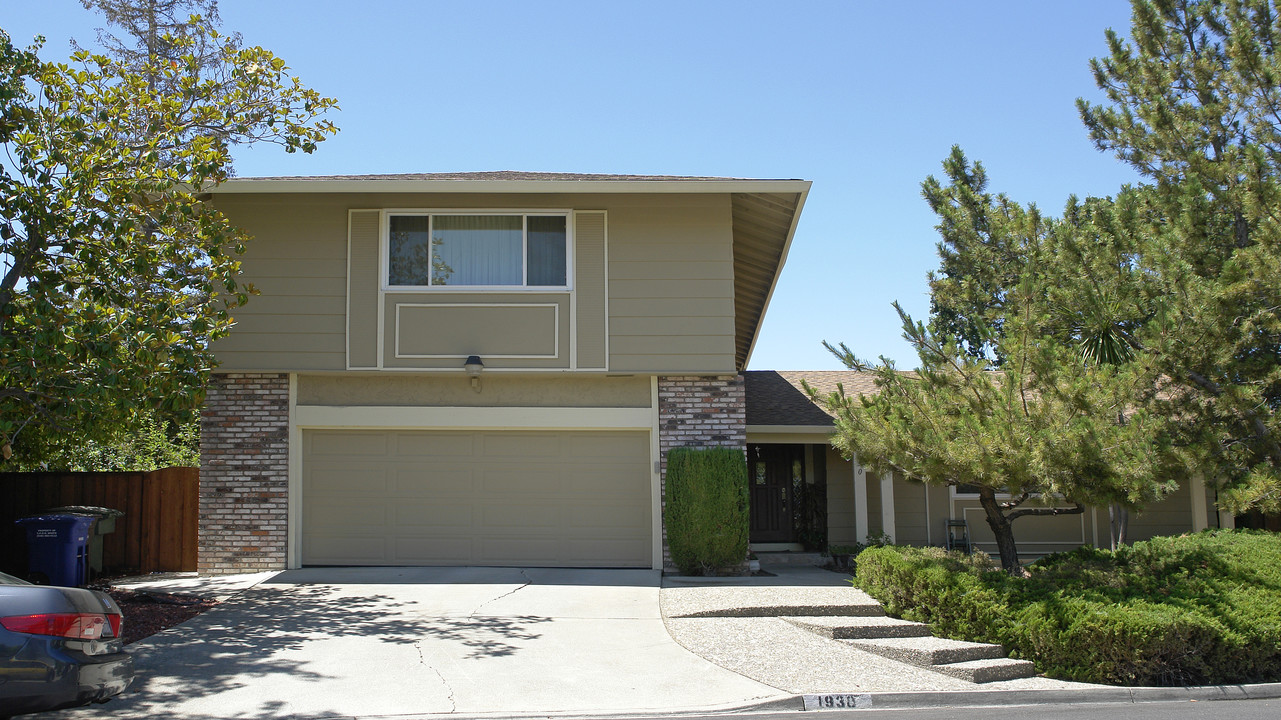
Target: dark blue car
pixel 59 647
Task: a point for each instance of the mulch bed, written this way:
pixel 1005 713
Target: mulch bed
pixel 148 613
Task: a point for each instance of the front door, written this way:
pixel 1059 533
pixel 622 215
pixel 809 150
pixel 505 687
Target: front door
pixel 776 470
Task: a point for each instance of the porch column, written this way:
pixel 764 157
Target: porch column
pixel 860 500
pixel 887 504
pixel 1200 520
pixel 1227 520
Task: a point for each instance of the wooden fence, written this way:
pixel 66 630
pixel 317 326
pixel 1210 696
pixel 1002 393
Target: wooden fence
pixel 156 534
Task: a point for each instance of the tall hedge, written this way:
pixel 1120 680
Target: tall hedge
pixel 706 510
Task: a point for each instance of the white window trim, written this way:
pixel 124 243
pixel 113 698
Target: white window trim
pixel 384 249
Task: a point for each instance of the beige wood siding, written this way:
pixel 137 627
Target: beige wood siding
pixel 1171 516
pixel 874 524
pixel 497 390
pixel 566 499
pixel 589 284
pixel 910 517
pixel 297 258
pixel 362 289
pixel 1034 535
pixel 435 329
pixel 510 330
pixel 840 500
pixel 671 286
pixel 669 280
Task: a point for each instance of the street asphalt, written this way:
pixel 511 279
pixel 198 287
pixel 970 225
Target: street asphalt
pixel 509 642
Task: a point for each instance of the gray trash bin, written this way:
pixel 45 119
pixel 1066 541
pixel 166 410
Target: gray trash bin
pixel 105 524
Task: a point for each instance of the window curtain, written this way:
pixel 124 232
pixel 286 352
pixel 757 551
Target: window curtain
pixel 477 249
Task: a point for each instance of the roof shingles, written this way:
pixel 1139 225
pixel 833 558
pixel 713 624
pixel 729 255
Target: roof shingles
pixel 776 397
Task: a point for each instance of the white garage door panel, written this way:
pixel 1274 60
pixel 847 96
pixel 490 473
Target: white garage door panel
pixel 476 498
pixel 432 483
pixel 344 444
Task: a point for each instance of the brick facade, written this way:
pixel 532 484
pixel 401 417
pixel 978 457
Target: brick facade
pixel 244 474
pixel 698 411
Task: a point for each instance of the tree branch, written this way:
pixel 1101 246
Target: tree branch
pixel 1076 510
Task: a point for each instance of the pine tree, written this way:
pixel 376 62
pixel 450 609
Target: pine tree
pixel 1026 389
pixel 1194 104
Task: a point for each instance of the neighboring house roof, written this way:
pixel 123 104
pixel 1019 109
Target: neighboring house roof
pixel 764 215
pixel 776 397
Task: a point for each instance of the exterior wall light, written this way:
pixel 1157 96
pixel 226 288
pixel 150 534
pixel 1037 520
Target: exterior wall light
pixel 474 366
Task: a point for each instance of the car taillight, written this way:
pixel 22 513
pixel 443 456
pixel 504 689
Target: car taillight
pixel 116 622
pixel 77 626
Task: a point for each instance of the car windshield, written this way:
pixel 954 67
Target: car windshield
pixel 11 580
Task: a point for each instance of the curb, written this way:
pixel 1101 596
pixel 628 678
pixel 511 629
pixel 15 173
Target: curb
pixel 905 701
pixel 987 698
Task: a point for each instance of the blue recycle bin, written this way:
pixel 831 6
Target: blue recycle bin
pixel 58 548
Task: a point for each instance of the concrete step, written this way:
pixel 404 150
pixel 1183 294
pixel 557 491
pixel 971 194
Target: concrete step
pixel 989 670
pixel 792 558
pixel 860 628
pixel 928 651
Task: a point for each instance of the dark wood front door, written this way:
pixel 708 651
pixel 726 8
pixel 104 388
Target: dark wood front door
pixel 775 471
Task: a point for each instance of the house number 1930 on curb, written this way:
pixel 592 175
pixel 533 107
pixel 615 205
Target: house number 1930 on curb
pixel 833 701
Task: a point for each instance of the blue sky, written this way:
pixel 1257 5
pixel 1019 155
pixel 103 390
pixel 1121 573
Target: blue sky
pixel 863 99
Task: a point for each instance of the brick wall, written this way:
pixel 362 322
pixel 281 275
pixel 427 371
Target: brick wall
pixel 244 474
pixel 698 411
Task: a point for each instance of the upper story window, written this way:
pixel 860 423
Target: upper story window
pixel 491 250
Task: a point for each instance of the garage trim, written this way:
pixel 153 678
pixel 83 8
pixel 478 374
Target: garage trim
pixel 317 417
pixel 460 418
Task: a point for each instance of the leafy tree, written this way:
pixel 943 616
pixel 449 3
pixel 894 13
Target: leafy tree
pixel 150 442
pixel 159 32
pixel 115 275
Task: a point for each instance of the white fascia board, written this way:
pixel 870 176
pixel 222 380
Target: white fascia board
pixel 782 260
pixel 472 418
pixel 390 185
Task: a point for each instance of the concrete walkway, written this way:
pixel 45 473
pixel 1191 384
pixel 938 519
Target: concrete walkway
pixel 700 615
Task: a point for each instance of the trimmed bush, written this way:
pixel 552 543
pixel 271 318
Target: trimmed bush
pixel 1193 609
pixel 931 585
pixel 706 510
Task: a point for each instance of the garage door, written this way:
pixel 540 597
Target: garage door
pixel 549 499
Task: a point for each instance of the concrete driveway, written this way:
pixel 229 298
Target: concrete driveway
pixel 362 642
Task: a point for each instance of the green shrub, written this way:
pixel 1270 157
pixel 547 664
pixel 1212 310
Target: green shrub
pixel 930 585
pixel 706 511
pixel 1192 609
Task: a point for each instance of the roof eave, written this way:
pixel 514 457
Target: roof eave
pixel 349 185
pixel 782 260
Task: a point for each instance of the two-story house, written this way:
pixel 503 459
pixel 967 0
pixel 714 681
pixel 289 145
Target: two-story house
pixel 479 368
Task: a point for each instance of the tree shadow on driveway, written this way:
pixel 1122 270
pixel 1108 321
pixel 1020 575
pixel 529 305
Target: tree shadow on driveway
pixel 277 645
